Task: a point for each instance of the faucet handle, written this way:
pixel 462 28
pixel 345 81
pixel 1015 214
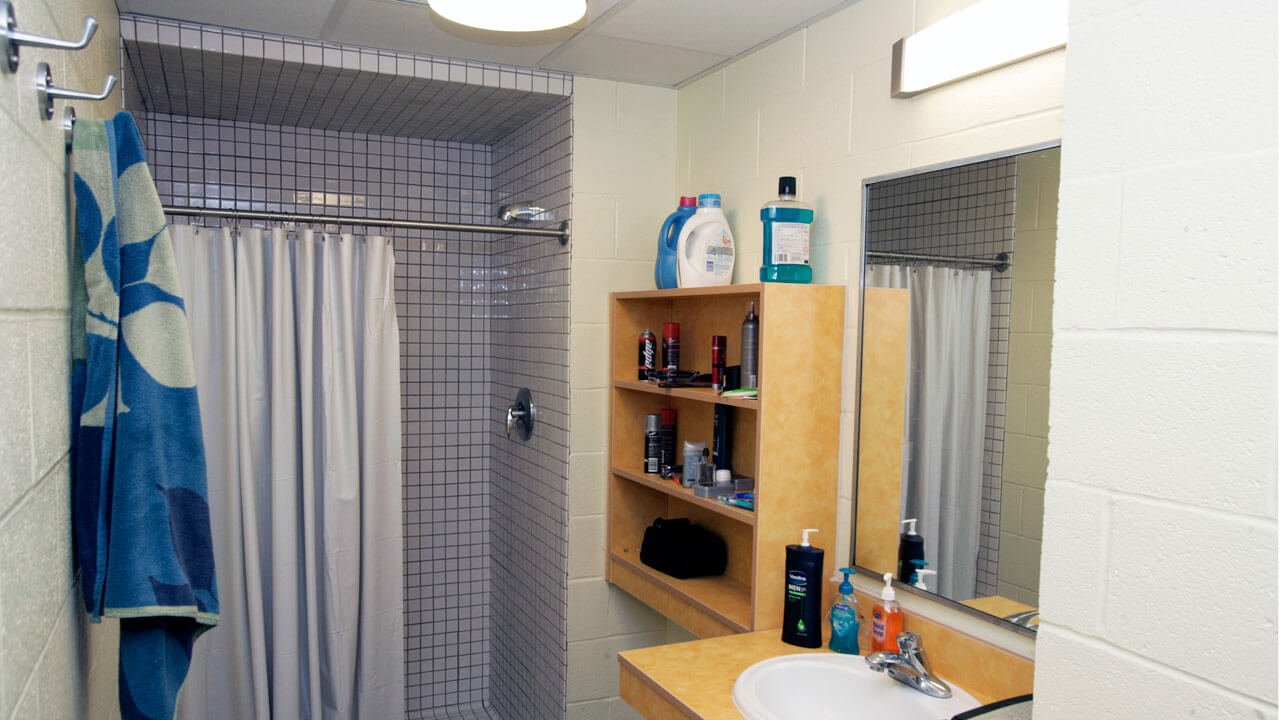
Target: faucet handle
pixel 911 648
pixel 909 642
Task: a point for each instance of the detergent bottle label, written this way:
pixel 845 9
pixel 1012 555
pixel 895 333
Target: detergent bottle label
pixel 719 255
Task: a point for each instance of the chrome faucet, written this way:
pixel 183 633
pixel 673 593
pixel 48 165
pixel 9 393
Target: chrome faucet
pixel 910 666
pixel 1028 619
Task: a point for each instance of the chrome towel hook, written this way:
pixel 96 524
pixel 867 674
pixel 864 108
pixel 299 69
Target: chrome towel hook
pixel 13 37
pixel 47 92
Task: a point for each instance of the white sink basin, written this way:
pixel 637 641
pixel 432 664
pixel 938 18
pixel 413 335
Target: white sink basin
pixel 829 686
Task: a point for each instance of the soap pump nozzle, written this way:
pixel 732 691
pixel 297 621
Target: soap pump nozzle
pixel 920 577
pixel 804 542
pixel 887 594
pixel 911 529
pixel 846 587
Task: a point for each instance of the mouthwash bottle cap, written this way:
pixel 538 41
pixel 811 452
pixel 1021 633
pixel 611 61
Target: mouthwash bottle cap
pixel 846 587
pixel 887 593
pixel 911 529
pixel 804 542
pixel 787 186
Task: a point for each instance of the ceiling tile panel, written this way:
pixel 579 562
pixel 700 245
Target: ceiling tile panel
pixel 656 42
pixel 414 28
pixel 717 27
pixel 630 61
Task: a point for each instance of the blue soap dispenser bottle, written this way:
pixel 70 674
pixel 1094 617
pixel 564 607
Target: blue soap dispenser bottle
pixel 844 618
pixel 802 594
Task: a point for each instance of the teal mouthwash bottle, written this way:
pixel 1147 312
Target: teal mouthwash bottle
pixel 786 236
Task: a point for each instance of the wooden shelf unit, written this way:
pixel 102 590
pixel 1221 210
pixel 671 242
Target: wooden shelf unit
pixel 787 440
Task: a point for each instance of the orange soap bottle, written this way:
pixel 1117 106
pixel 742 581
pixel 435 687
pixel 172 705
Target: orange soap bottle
pixel 886 619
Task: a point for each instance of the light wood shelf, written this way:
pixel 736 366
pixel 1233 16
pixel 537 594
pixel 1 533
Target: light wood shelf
pixel 787 440
pixel 723 598
pixel 706 395
pixel 685 494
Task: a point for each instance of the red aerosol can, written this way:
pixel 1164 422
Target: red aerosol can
pixel 648 354
pixel 718 344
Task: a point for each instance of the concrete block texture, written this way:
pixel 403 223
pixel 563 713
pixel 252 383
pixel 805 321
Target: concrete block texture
pixel 1077 677
pixel 1169 83
pixel 1197 246
pixel 1163 555
pixel 1077 527
pixel 1186 417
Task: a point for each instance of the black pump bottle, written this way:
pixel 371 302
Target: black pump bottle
pixel 802 598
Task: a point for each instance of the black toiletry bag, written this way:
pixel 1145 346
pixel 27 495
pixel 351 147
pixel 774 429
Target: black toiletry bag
pixel 683 550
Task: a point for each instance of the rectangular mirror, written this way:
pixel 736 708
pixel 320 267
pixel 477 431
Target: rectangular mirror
pixel 954 394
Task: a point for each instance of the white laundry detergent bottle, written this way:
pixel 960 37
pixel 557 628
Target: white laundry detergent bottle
pixel 705 248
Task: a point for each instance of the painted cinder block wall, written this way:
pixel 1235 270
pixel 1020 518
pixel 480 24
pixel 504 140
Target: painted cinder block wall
pixel 814 104
pixel 1161 495
pixel 623 182
pixel 52 663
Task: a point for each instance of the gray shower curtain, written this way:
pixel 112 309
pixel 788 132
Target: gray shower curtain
pixel 946 403
pixel 296 350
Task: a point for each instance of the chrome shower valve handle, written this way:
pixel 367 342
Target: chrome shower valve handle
pixel 521 415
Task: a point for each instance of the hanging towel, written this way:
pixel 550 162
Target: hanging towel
pixel 140 509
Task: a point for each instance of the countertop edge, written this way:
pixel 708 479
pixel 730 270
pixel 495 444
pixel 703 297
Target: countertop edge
pixel 645 679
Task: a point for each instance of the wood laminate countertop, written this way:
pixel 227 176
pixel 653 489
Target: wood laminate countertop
pixel 695 679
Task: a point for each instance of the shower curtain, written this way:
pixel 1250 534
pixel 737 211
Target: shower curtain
pixel 296 352
pixel 946 412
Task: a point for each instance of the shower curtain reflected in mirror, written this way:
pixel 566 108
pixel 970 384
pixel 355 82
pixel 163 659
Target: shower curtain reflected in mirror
pixel 945 414
pixel 296 349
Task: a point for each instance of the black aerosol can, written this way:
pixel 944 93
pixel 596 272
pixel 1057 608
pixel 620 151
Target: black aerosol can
pixel 652 443
pixel 648 354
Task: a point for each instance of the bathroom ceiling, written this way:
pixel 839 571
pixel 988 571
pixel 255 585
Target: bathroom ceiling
pixel 655 42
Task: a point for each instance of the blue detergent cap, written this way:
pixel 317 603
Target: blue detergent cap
pixel 709 200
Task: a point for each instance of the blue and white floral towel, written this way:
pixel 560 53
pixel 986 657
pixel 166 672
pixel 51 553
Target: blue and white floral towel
pixel 141 512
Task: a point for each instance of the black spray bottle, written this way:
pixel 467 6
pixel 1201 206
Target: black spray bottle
pixel 802 599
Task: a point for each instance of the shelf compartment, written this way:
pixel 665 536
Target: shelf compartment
pixel 707 606
pixel 706 395
pixel 686 495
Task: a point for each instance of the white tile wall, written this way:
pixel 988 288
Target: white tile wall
pixel 529 347
pixel 1162 444
pixel 1031 334
pixel 54 665
pixel 213 72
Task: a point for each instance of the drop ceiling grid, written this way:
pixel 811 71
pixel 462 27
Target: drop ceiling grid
pixel 211 72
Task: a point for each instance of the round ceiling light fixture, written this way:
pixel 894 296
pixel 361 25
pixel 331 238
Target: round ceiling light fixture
pixel 511 15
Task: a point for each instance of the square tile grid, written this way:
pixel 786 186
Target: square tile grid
pixel 966 211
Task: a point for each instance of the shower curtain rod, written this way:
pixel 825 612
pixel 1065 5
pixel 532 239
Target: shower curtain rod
pixel 562 232
pixel 999 264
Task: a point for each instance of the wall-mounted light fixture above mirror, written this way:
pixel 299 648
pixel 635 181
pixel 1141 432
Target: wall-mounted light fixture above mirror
pixel 953 417
pixel 981 37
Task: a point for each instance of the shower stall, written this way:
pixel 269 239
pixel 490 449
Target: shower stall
pixel 242 121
